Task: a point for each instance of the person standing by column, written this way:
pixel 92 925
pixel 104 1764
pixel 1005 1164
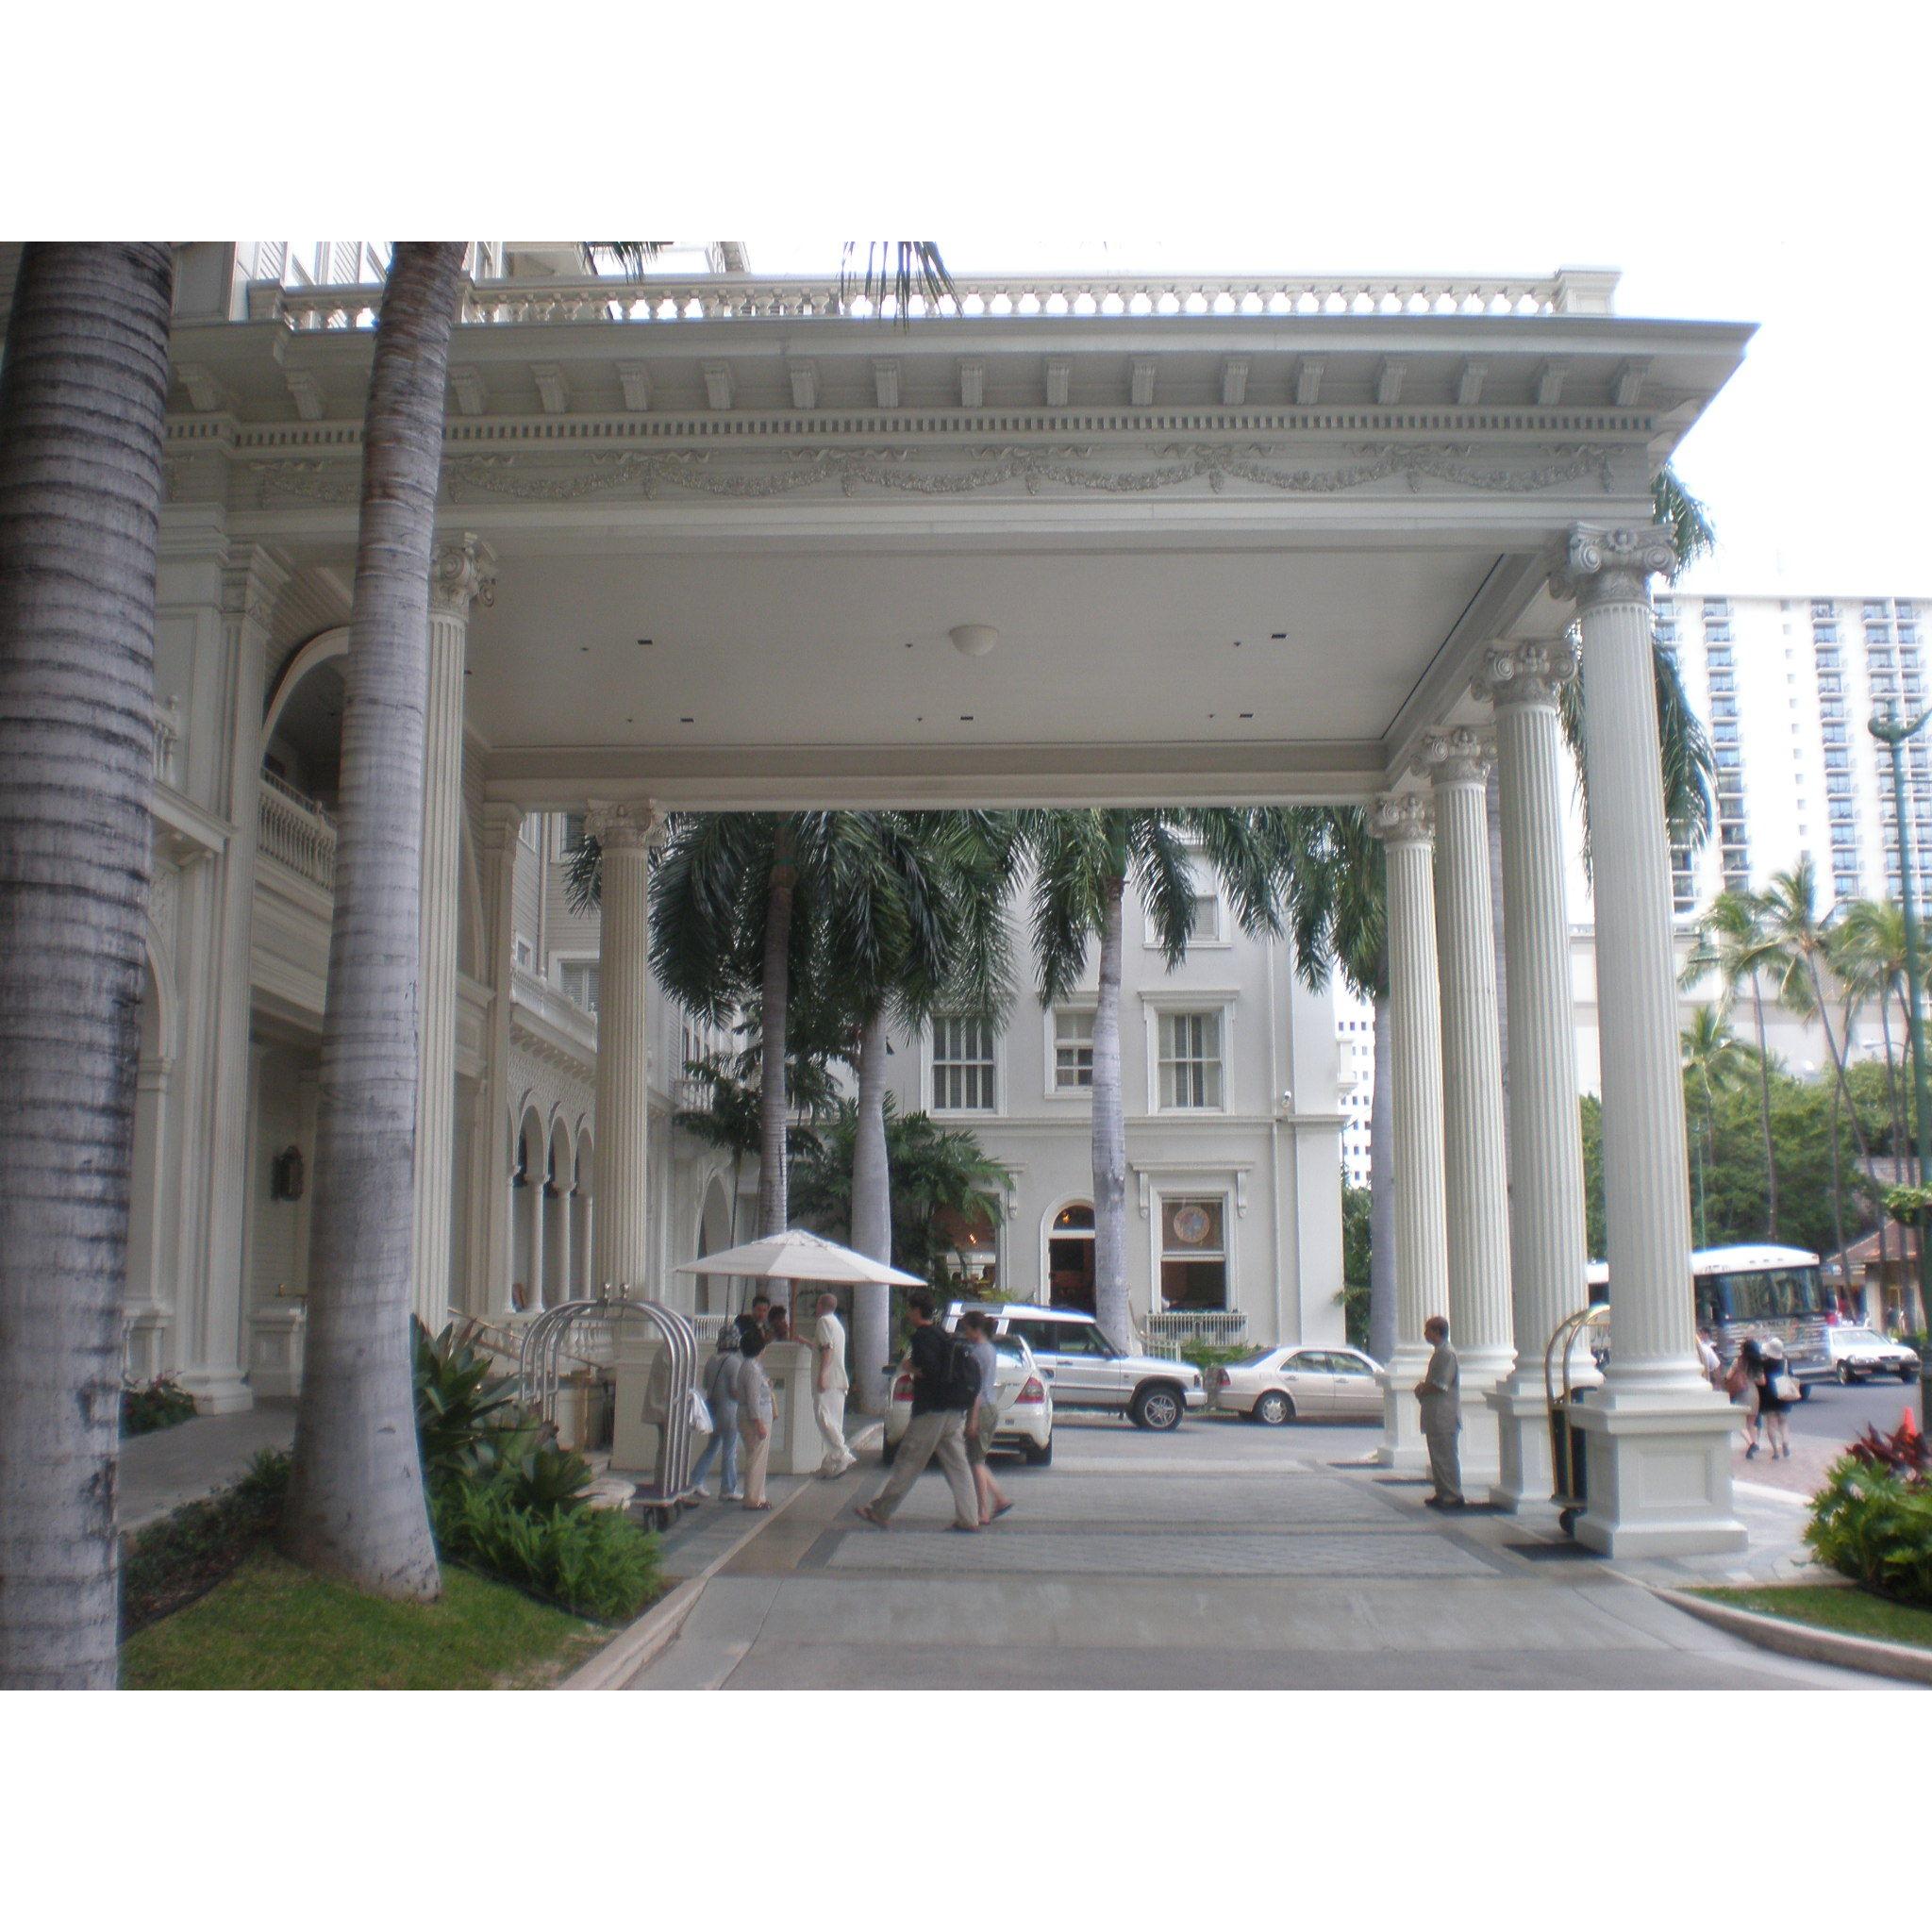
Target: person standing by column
pixel 756 1412
pixel 721 1392
pixel 938 1426
pixel 831 1382
pixel 1439 1395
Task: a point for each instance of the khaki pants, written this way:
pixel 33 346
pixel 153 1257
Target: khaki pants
pixel 829 1406
pixel 757 1454
pixel 943 1433
pixel 1446 1464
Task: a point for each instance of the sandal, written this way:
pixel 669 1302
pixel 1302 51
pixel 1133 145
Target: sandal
pixel 999 1512
pixel 755 1507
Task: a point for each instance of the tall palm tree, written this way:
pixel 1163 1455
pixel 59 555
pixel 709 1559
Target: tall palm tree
pixel 356 1505
pixel 1735 939
pixel 1083 861
pixel 1338 917
pixel 1868 953
pixel 1713 1060
pixel 83 394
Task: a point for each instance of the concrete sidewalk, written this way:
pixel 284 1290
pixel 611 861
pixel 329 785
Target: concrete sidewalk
pixel 1228 1563
pixel 166 1468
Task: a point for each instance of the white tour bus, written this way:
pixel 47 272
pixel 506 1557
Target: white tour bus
pixel 1756 1291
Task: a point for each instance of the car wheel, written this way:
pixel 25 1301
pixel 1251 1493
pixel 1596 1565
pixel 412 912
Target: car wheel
pixel 1845 1375
pixel 1275 1408
pixel 1038 1454
pixel 1156 1406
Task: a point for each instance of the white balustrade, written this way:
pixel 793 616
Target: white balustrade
pixel 297 832
pixel 729 298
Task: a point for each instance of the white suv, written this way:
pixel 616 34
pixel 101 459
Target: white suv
pixel 1086 1371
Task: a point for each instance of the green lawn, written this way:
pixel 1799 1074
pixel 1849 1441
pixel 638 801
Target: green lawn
pixel 272 1626
pixel 1855 1611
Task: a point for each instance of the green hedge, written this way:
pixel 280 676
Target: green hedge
pixel 1873 1519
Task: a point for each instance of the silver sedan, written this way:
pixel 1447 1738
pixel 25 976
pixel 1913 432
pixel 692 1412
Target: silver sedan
pixel 1284 1385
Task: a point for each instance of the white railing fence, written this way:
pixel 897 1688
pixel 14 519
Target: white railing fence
pixel 1218 1327
pixel 297 832
pixel 752 298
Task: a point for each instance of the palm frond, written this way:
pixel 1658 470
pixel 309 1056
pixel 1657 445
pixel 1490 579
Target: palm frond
pixel 895 272
pixel 626 258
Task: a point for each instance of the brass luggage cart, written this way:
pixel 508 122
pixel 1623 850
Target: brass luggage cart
pixel 1561 1391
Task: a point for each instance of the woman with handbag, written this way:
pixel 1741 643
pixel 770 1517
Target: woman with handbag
pixel 720 1385
pixel 1776 1392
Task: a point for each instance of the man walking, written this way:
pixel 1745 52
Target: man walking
pixel 983 1417
pixel 1440 1392
pixel 937 1425
pixel 831 1382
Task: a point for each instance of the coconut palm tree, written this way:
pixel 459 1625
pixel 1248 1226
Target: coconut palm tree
pixel 1083 861
pixel 1713 1060
pixel 1868 953
pixel 1735 940
pixel 83 394
pixel 355 1505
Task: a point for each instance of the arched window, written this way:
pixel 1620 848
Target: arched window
pixel 1070 1257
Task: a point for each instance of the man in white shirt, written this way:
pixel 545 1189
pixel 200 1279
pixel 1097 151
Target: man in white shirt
pixel 1440 1394
pixel 829 1345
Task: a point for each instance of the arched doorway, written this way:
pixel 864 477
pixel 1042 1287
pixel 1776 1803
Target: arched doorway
pixel 525 1215
pixel 1070 1257
pixel 580 1196
pixel 560 1177
pixel 714 1235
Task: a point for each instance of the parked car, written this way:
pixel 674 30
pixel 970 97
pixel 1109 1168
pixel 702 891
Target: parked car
pixel 1285 1385
pixel 1854 1353
pixel 1026 1405
pixel 1085 1370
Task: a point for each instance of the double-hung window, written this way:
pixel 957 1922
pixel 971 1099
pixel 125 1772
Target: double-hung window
pixel 1073 1049
pixel 1191 1049
pixel 962 1064
pixel 581 983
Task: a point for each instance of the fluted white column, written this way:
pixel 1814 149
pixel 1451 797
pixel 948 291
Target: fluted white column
pixel 1476 1186
pixel 1406 824
pixel 490 1295
pixel 464 571
pixel 1546 1217
pixel 1658 1436
pixel 620 1240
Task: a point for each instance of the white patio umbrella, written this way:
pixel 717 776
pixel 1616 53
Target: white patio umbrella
pixel 799 1256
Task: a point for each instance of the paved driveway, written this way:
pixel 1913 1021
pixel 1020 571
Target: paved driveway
pixel 1224 1556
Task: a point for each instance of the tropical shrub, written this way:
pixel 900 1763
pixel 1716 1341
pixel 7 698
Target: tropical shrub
pixel 157 1404
pixel 468 1419
pixel 596 1562
pixel 1873 1519
pixel 1909 1206
pixel 547 1478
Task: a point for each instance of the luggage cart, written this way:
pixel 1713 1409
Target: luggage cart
pixel 594 1333
pixel 1561 1391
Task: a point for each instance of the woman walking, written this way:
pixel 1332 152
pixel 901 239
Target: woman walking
pixel 721 1392
pixel 1777 1391
pixel 754 1416
pixel 1742 1385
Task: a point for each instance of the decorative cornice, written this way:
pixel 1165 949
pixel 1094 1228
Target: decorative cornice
pixel 627 825
pixel 464 569
pixel 1524 673
pixel 1603 565
pixel 1404 818
pixel 1458 755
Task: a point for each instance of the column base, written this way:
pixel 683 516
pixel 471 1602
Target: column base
pixel 1527 1477
pixel 217 1392
pixel 277 1333
pixel 1658 1473
pixel 1402 1446
pixel 1482 1371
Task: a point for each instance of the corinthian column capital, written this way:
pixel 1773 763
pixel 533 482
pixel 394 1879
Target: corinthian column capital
pixel 1602 565
pixel 1403 818
pixel 1459 755
pixel 627 825
pixel 1525 674
pixel 462 572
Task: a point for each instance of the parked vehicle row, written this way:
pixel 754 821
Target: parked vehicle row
pixel 1290 1383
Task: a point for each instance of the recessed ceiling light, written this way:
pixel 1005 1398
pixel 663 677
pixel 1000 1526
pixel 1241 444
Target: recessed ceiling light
pixel 974 640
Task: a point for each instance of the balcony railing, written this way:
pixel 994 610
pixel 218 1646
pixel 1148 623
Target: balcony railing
pixel 787 298
pixel 296 831
pixel 1218 1327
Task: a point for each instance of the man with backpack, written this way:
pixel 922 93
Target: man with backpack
pixel 946 1379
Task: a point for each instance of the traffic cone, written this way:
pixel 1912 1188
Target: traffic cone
pixel 1908 1423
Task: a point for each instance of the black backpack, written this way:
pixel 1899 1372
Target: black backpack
pixel 959 1375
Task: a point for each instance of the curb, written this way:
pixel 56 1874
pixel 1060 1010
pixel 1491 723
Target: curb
pixel 639 1644
pixel 1805 1640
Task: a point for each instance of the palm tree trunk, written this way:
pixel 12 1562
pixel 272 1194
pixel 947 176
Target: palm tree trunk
pixel 1764 1103
pixel 1838 1192
pixel 355 1505
pixel 776 987
pixel 871 1216
pixel 1382 1336
pixel 1109 1134
pixel 82 399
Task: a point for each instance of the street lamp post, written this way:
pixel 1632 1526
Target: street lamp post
pixel 1888 731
